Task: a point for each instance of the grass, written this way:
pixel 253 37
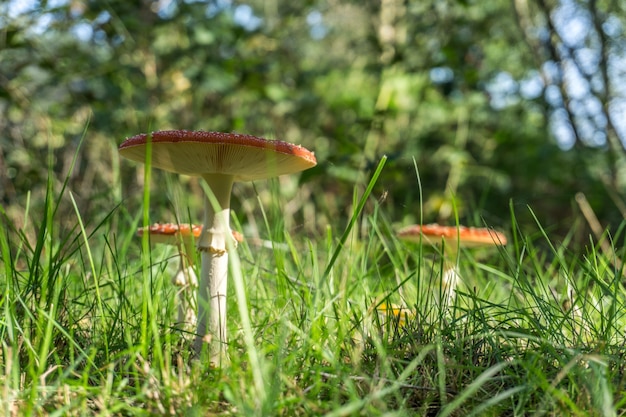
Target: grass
pixel 88 324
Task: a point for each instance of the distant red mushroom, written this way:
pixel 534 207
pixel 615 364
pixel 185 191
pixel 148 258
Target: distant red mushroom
pixel 452 238
pixel 220 159
pixel 182 236
pixel 459 236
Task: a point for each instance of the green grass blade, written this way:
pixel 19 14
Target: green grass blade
pixel 355 215
pixel 472 388
pixel 92 267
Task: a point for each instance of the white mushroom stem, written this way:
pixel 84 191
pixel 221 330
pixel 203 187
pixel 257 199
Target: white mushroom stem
pixel 214 275
pixel 450 278
pixel 187 281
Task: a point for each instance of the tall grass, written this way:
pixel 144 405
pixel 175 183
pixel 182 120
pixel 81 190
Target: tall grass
pixel 88 323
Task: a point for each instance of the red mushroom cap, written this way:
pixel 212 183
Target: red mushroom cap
pixel 434 234
pixel 172 233
pixel 198 153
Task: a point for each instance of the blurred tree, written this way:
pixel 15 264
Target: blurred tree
pixel 495 101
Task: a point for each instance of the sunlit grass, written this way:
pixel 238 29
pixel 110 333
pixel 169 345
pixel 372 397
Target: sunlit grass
pixel 88 324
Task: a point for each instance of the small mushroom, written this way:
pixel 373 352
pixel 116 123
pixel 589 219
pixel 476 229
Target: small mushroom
pixel 220 159
pixel 452 238
pixel 182 236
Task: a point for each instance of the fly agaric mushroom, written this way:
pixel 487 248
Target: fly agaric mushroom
pixel 221 159
pixel 452 238
pixel 182 235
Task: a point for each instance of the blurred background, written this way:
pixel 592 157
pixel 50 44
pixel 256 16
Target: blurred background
pixel 501 105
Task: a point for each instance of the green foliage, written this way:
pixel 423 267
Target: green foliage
pixel 87 325
pixel 352 81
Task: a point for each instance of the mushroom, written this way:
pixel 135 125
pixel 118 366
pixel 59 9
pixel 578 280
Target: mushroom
pixel 182 236
pixel 221 159
pixel 452 238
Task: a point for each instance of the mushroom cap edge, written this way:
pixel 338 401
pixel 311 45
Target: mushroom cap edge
pixel 199 153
